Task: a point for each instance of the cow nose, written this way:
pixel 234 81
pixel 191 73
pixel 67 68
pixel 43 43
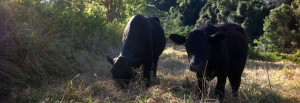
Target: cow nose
pixel 194 65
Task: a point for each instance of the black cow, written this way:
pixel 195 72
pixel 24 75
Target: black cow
pixel 143 42
pixel 216 51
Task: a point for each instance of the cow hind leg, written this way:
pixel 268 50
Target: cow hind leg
pixel 235 81
pixel 154 79
pixel 154 67
pixel 220 88
pixel 147 69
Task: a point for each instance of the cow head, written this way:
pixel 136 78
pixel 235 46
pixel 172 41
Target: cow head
pixel 121 71
pixel 198 44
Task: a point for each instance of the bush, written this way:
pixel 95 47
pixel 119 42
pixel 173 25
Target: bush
pixel 256 55
pixel 41 42
pixel 273 56
pixel 294 57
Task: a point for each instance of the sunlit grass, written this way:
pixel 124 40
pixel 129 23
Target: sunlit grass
pixel 176 83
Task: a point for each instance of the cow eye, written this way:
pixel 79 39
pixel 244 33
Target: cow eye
pixel 189 53
pixel 189 48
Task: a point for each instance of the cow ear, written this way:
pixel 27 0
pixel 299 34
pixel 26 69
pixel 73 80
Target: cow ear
pixel 109 59
pixel 216 38
pixel 178 39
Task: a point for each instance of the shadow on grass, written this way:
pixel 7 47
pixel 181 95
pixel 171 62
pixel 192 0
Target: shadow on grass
pixel 186 89
pixel 253 64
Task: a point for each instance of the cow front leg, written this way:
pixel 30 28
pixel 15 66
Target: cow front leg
pixel 147 69
pixel 220 88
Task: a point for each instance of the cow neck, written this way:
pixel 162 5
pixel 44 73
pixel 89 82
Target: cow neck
pixel 134 63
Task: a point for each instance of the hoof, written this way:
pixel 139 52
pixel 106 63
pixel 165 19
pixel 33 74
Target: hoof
pixel 154 80
pixel 235 94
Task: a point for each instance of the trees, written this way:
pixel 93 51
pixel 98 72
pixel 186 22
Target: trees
pixel 282 27
pixel 189 10
pixel 253 22
pixel 249 14
pixel 208 15
pixel 216 12
pixel 163 5
pixel 296 7
pixel 115 9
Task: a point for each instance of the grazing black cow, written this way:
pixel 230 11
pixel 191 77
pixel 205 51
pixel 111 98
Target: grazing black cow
pixel 216 51
pixel 143 42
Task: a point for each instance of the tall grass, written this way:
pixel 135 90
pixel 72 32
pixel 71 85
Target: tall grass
pixel 176 84
pixel 41 44
pixel 50 53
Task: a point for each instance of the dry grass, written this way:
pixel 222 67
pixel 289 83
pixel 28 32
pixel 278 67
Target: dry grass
pixel 176 83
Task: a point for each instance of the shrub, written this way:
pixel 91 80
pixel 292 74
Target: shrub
pixel 294 57
pixel 256 55
pixel 40 41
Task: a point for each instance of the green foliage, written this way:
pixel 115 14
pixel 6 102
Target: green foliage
pixel 153 11
pixel 208 15
pixel 216 12
pixel 173 25
pixel 43 40
pixel 264 44
pixel 256 55
pixel 163 5
pixel 169 20
pixel 249 14
pixel 281 27
pixel 131 7
pixel 266 50
pixel 120 10
pixel 260 52
pixel 294 57
pixel 189 11
pixel 253 21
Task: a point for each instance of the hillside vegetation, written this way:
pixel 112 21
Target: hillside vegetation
pixel 53 50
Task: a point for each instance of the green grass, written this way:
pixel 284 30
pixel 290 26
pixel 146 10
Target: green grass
pixel 274 56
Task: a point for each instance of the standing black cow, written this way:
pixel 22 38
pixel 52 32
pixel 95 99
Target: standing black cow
pixel 143 42
pixel 216 51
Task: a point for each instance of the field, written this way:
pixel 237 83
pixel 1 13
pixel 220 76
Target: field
pixel 175 83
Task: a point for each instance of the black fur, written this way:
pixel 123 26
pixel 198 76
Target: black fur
pixel 143 42
pixel 216 51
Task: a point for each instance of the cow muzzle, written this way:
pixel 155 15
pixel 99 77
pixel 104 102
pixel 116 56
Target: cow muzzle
pixel 196 68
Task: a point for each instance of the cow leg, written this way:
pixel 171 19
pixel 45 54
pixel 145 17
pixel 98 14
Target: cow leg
pixel 147 68
pixel 134 74
pixel 154 67
pixel 220 88
pixel 235 81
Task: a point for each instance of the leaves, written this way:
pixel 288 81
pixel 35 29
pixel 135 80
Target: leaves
pixel 255 41
pixel 281 27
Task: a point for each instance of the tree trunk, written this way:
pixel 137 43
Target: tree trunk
pixel 119 10
pixel 113 7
